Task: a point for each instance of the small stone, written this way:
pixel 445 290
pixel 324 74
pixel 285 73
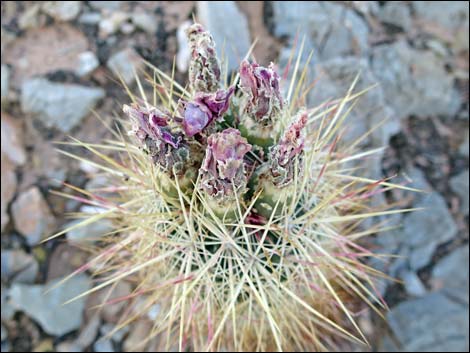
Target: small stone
pixel 105 5
pixel 5 82
pixel 425 229
pixel 118 335
pixel 87 62
pixel 18 266
pixel 229 28
pixel 4 334
pixel 450 275
pixel 125 64
pixel 111 23
pixel 32 216
pixel 30 17
pixel 62 10
pixel 111 312
pixel 68 346
pixel 90 18
pixel 8 189
pixel 56 104
pixel 90 232
pixel 465 146
pixel 48 308
pixel 145 21
pixel 432 323
pixel 184 54
pixel 103 345
pixel 136 337
pixel 396 13
pixel 415 82
pixel 413 285
pixel 459 185
pixel 88 334
pixel 12 139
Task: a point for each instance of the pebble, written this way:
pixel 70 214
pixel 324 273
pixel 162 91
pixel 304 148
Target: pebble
pixel 459 185
pixel 229 28
pixel 32 216
pixel 112 23
pixel 57 104
pixel 126 64
pixel 396 13
pixel 18 267
pixel 90 232
pixel 184 54
pixel 48 309
pixel 5 82
pixel 145 21
pixel 90 18
pixel 62 10
pixel 12 139
pixel 413 284
pixel 87 63
pixel 8 189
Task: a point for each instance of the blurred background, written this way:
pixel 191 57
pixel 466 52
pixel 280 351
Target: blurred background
pixel 59 61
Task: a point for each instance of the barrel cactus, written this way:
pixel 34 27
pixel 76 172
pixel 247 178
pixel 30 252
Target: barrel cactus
pixel 236 211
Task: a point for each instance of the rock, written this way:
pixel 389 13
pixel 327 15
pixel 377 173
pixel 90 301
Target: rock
pixel 90 18
pixel 184 54
pixel 88 334
pixel 45 50
pixel 415 82
pixel 18 267
pixel 105 5
pixel 103 345
pixel 91 232
pixel 60 105
pixel 424 230
pixel 8 189
pixel 4 334
pixel 135 341
pixel 459 185
pixel 450 275
pixel 145 21
pixel 5 82
pixel 111 312
pixel 125 64
pixel 117 336
pixel 413 285
pixel 62 10
pixel 335 78
pixel 465 146
pixel 12 139
pixel 7 311
pixel 29 18
pixel 68 346
pixel 65 259
pixel 32 216
pixel 332 29
pixel 48 309
pixel 87 62
pixel 229 28
pixel 111 23
pixel 397 14
pixel 449 18
pixel 432 323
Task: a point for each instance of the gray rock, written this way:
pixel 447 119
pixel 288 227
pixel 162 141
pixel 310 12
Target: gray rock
pixel 56 104
pixel 432 323
pixel 103 345
pixel 117 336
pixel 125 64
pixel 329 28
pixel 465 146
pixel 5 82
pixel 4 334
pixel 18 266
pixel 88 334
pixel 87 62
pixel 424 230
pixel 451 273
pixel 105 5
pixel 32 216
pixel 8 189
pixel 7 311
pixel 111 23
pixel 90 18
pixel 459 184
pixel 229 28
pixel 335 78
pixel 145 21
pixel 415 82
pixel 48 309
pixel 62 10
pixel 396 13
pixel 90 232
pixel 413 285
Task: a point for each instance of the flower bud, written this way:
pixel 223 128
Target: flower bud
pixel 223 166
pixel 204 67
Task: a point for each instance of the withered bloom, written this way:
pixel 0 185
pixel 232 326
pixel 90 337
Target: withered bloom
pixel 288 153
pixel 262 100
pixel 204 109
pixel 223 166
pixel 204 67
pixel 151 127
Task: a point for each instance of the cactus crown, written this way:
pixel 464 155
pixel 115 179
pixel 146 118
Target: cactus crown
pixel 236 212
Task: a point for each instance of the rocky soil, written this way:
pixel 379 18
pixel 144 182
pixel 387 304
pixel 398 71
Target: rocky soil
pixel 59 61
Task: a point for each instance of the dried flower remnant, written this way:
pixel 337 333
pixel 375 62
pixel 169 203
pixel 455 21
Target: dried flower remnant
pixel 204 109
pixel 223 166
pixel 204 66
pixel 262 100
pixel 287 154
pixel 151 127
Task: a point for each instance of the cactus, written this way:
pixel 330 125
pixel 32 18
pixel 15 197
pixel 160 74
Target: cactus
pixel 237 213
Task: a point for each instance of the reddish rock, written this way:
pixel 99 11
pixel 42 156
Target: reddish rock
pixel 12 139
pixel 8 188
